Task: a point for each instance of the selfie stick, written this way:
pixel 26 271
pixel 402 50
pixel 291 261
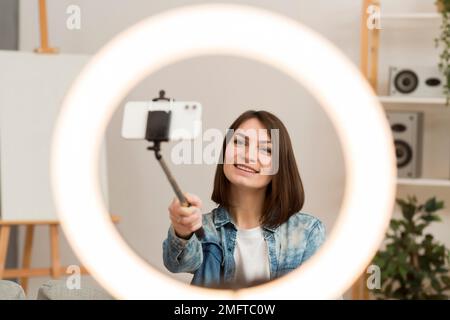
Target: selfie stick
pixel 158 124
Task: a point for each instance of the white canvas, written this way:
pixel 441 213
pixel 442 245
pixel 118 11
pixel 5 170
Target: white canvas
pixel 32 88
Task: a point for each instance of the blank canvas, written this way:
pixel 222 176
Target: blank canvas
pixel 32 88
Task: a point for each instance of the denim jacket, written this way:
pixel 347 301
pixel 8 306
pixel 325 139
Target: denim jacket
pixel 211 260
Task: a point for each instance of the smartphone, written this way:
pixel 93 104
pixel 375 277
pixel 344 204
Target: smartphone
pixel 185 118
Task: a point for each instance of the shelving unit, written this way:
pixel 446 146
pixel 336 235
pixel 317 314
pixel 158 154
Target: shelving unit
pixel 370 41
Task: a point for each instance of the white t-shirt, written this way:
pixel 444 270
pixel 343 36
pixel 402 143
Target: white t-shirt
pixel 251 257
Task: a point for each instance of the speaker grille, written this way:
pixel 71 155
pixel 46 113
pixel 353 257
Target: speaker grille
pixel 406 81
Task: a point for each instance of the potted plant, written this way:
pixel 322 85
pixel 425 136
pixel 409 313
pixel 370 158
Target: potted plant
pixel 444 39
pixel 413 265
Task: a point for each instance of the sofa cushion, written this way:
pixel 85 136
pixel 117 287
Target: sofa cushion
pixel 10 290
pixel 58 290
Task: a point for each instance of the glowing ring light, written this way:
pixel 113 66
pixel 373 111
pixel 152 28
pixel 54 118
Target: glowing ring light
pixel 240 31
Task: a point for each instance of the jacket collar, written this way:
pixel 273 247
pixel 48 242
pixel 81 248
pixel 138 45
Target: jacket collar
pixel 222 217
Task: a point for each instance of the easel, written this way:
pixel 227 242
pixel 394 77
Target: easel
pixel 25 271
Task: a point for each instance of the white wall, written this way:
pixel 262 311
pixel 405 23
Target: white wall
pixel 226 86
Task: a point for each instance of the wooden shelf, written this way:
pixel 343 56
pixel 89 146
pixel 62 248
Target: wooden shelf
pixel 369 62
pixel 424 182
pixel 404 16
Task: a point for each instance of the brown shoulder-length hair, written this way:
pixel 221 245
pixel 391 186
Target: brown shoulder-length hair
pixel 285 195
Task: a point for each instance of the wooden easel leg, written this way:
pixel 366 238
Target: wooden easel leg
pixel 44 48
pixel 56 262
pixel 26 258
pixel 43 23
pixel 4 240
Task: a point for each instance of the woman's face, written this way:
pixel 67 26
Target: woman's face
pixel 248 155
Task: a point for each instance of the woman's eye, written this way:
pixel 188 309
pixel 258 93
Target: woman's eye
pixel 239 142
pixel 266 150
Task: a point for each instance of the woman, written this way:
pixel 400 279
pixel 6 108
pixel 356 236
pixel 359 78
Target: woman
pixel 257 233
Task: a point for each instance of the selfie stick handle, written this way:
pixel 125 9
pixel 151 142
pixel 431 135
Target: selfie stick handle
pixel 200 233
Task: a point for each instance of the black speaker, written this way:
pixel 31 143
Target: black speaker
pixel 407 129
pixel 415 81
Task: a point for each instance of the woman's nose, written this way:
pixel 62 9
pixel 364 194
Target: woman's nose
pixel 251 154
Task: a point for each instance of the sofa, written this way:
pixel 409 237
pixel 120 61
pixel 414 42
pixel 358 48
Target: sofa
pixel 10 290
pixel 53 290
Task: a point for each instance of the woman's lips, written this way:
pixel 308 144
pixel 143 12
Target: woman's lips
pixel 246 168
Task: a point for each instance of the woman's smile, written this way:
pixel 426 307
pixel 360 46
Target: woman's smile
pixel 246 169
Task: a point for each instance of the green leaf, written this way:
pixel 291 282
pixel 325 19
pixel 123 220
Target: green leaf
pixel 419 228
pixel 408 211
pixel 432 204
pixel 440 269
pixel 428 238
pixel 403 272
pixel 402 257
pixel 446 280
pixel 394 224
pixel 431 217
pixel 435 284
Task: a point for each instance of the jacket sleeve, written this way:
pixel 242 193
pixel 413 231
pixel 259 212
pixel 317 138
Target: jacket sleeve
pixel 180 255
pixel 316 238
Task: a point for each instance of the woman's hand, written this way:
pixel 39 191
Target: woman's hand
pixel 186 220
